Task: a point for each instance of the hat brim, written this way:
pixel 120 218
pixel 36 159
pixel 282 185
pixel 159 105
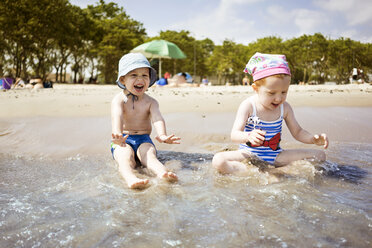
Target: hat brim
pixel 153 75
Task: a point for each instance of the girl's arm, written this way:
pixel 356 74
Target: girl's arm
pixel 159 125
pixel 299 133
pixel 256 137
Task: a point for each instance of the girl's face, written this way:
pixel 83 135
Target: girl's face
pixel 137 81
pixel 273 92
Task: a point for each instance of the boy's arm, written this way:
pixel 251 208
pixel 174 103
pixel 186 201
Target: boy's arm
pixel 299 133
pixel 117 120
pixel 159 125
pixel 256 137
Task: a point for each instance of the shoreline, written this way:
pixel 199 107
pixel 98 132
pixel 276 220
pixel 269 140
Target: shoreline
pixel 68 100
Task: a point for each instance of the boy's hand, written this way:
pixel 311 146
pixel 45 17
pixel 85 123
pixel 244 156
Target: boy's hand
pixel 171 139
pixel 256 137
pixel 118 139
pixel 321 140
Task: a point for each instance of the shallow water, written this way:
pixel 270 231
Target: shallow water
pixel 59 187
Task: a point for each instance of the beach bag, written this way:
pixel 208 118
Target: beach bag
pixel 6 83
pixel 161 81
pixel 48 84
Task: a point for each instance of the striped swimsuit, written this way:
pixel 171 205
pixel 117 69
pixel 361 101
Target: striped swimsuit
pixel 270 149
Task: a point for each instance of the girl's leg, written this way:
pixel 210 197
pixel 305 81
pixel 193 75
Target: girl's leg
pixel 147 155
pixel 125 158
pixel 288 156
pixel 231 161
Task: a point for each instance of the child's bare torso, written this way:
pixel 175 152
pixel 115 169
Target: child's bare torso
pixel 137 115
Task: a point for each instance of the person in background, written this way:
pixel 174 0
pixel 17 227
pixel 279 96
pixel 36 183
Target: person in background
pixel 354 75
pixel 19 83
pixel 245 80
pixel 205 81
pixel 35 83
pixel 167 76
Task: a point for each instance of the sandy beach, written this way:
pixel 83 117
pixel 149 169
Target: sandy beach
pixel 94 100
pixel 64 120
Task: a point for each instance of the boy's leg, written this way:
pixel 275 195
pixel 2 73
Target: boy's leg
pixel 231 161
pixel 288 156
pixel 147 155
pixel 125 158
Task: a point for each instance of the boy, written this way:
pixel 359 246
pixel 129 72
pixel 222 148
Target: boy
pixel 132 112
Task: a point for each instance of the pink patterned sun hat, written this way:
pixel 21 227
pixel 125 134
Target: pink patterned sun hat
pixel 262 65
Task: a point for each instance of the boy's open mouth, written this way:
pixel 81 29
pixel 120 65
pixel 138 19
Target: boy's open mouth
pixel 138 87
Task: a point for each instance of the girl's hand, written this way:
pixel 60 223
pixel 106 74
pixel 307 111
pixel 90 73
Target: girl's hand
pixel 118 139
pixel 171 139
pixel 256 137
pixel 321 140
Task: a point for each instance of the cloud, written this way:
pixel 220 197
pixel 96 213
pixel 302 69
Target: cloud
pixel 223 22
pixel 357 12
pixel 309 21
pixel 296 21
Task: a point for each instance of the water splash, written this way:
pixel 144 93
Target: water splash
pixel 82 201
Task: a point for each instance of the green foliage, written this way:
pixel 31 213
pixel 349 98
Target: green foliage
pixel 116 34
pixel 40 36
pixel 29 29
pixel 227 62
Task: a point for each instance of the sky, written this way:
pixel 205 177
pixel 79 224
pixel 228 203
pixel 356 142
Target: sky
pixel 245 21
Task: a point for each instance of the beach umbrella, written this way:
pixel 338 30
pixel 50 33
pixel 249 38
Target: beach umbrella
pixel 160 49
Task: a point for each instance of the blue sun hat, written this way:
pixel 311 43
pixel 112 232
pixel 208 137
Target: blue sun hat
pixel 132 61
pixel 263 65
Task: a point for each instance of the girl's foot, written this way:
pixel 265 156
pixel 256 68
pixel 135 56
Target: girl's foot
pixel 170 176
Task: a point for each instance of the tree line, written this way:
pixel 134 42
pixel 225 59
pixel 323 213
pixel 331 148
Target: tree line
pixel 42 36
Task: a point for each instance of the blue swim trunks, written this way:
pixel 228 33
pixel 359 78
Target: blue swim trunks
pixel 134 141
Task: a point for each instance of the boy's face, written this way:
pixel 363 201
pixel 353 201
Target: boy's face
pixel 137 81
pixel 273 92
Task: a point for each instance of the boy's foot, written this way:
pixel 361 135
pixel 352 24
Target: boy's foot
pixel 170 176
pixel 138 183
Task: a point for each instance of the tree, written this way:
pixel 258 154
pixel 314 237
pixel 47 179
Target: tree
pixel 308 57
pixel 116 34
pixel 204 49
pixel 31 32
pixel 228 61
pixel 341 58
pixel 269 44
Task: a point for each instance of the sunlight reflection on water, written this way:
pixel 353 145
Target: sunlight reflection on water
pixel 59 187
pixel 82 201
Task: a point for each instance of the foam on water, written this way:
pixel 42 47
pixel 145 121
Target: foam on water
pixel 82 201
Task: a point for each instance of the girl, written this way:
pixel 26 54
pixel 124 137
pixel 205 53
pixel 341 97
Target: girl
pixel 258 122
